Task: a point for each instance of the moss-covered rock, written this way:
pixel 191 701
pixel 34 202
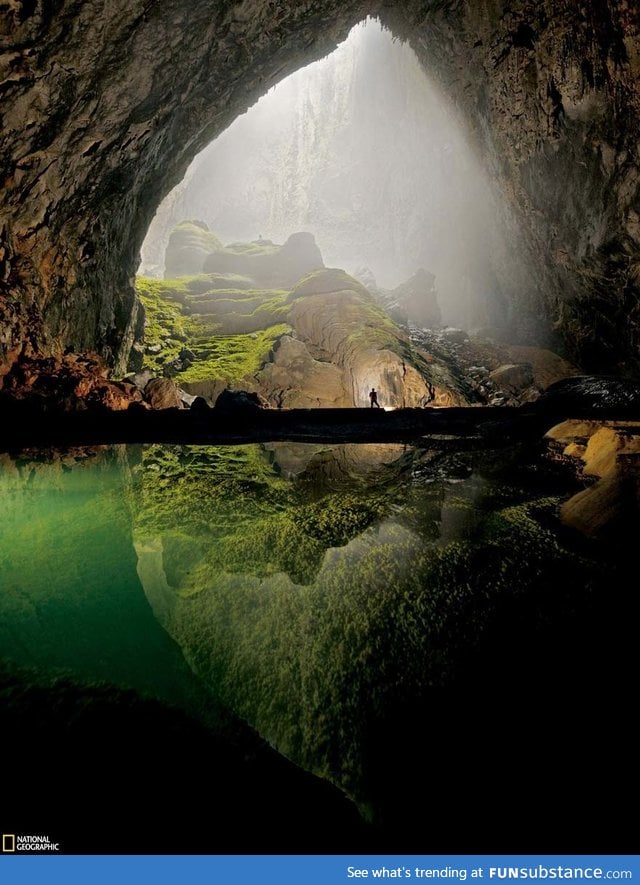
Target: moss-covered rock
pixel 323 342
pixel 189 245
pixel 268 264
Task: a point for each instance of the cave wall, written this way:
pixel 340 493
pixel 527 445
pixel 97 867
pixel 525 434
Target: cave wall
pixel 103 107
pixel 551 92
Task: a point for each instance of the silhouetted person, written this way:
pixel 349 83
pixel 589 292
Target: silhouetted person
pixel 373 396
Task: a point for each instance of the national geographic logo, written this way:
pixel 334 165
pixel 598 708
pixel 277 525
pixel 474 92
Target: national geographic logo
pixel 12 843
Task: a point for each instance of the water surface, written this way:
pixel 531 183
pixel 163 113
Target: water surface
pixel 352 603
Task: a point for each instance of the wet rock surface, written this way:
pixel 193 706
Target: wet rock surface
pixel 606 456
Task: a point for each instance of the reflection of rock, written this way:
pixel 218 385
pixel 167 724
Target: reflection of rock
pixel 321 463
pixel 611 452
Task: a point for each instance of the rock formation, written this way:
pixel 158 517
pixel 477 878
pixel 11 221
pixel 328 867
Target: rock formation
pixel 324 342
pixel 104 107
pixel 189 245
pixel 608 452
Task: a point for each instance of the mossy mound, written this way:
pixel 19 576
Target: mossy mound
pixel 228 332
pixel 189 245
pixel 330 279
pixel 221 328
pixel 269 265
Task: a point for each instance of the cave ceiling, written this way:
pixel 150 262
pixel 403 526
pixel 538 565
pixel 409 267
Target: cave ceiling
pixel 104 106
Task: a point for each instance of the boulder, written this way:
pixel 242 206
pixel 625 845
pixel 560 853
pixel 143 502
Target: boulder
pixel 592 393
pixel 239 401
pixel 415 302
pixel 189 245
pixel 610 451
pixel 454 336
pixel 162 393
pixel 512 377
pixel 73 382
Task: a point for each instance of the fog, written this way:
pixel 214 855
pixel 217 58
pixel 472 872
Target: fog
pixel 361 150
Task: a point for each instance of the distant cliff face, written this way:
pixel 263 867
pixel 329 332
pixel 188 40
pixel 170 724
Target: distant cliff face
pixel 104 106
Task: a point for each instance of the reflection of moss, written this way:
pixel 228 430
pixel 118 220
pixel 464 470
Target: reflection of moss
pixel 339 517
pixel 250 519
pixel 384 618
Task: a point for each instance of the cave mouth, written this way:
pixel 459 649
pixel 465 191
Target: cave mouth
pixel 362 150
pixel 118 105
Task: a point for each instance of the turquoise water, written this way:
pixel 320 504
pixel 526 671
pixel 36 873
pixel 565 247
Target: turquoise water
pixel 329 596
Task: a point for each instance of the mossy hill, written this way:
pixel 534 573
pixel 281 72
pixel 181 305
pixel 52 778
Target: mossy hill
pixel 273 320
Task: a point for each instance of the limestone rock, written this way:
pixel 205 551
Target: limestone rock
pixel 162 393
pixel 190 243
pixel 547 366
pixel 269 265
pixel 550 91
pixel 593 392
pixel 415 302
pixel 295 380
pixel 70 383
pixel 611 451
pixel 513 377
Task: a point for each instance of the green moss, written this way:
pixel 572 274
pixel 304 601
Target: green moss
pixel 188 234
pixel 230 357
pixel 326 281
pixel 252 248
pixel 173 321
pixel 165 322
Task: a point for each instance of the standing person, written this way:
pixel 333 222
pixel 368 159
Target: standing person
pixel 373 396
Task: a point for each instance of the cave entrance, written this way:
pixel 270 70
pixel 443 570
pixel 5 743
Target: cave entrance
pixel 361 150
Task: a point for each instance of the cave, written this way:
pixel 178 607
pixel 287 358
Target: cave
pixel 353 626
pixel 103 113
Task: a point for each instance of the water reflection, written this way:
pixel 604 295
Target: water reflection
pixel 395 619
pixel 325 593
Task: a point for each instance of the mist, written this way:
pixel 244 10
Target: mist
pixel 361 150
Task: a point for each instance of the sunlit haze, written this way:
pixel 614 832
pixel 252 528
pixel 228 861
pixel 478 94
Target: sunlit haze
pixel 362 151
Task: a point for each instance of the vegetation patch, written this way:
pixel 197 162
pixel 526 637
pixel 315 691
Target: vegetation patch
pixel 230 332
pixel 231 357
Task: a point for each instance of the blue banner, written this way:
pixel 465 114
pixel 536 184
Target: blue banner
pixel 33 868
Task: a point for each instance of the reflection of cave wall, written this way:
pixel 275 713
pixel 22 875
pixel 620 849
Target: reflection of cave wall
pixel 103 108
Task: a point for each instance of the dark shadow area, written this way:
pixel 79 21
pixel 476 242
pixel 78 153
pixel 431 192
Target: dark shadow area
pixel 105 771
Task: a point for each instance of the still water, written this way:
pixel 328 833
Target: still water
pixel 335 598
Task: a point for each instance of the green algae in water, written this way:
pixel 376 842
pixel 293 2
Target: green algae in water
pixel 70 598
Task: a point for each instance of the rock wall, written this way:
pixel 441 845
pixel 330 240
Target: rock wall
pixel 552 91
pixel 103 107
